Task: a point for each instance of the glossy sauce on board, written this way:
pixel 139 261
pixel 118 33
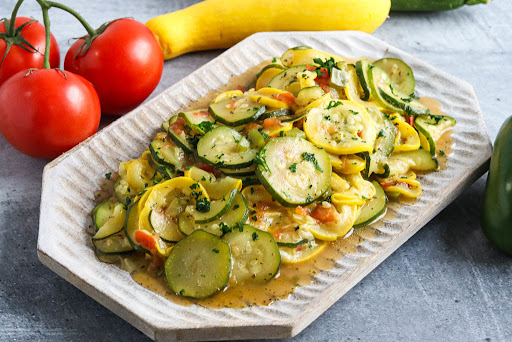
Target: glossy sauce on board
pixel 290 276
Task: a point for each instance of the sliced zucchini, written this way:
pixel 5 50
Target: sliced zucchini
pixel 353 90
pixel 165 126
pixel 181 134
pixel 407 138
pixel 306 55
pixel 217 188
pixel 236 111
pixel 246 171
pixel 267 74
pixel 249 180
pixel 113 244
pixel 385 141
pixel 405 103
pixel 256 256
pixel 165 152
pixel 400 73
pixel 431 128
pixel 342 127
pixel 294 171
pixel 308 95
pixel 109 219
pixel 420 160
pixel 199 265
pixel 287 77
pixel 166 227
pixel 132 225
pixel 102 212
pixel 237 214
pixel 372 209
pixel 296 132
pixel 225 147
pixel 199 120
pixel 217 209
pixel 257 139
pixel 276 113
pixel 378 78
pixel 362 67
pixel 164 172
pixel 301 253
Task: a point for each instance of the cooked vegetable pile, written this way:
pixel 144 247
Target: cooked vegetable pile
pixel 224 194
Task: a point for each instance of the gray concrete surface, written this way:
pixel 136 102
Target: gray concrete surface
pixel 446 284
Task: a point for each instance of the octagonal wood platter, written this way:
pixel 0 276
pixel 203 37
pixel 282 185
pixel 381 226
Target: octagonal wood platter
pixel 69 183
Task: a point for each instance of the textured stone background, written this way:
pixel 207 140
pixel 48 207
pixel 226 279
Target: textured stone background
pixel 446 284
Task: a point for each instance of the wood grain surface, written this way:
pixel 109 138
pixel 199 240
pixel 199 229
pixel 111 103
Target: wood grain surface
pixel 446 283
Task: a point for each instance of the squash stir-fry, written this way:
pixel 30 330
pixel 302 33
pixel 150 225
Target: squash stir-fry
pixel 225 194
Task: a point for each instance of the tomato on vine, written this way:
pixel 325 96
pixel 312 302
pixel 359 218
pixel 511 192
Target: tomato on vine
pixel 22 42
pixel 123 61
pixel 45 112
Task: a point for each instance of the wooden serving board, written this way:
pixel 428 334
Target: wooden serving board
pixel 69 183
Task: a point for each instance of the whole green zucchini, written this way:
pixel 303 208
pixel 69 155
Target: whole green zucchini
pixel 432 5
pixel 497 209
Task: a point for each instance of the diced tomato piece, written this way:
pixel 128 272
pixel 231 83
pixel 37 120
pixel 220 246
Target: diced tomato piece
pixel 202 113
pixel 323 214
pixel 310 68
pixel 388 184
pixel 302 211
pixel 410 120
pixel 331 129
pixel 241 88
pixel 271 122
pixel 146 240
pixel 359 134
pixel 285 97
pixel 263 206
pixel 207 168
pixel 404 183
pixel 179 125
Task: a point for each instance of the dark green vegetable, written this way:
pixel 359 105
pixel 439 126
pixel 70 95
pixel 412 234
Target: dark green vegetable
pixel 497 209
pixel 432 5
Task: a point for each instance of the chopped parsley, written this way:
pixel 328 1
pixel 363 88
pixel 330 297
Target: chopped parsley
pixel 254 218
pixel 260 161
pixel 293 167
pixel 236 206
pixel 224 228
pixel 108 175
pixel 215 250
pixel 310 157
pixel 441 152
pixel 328 64
pixel 382 133
pixel 254 236
pixel 333 104
pixel 353 112
pixel 203 205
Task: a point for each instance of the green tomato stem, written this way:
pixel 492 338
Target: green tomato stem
pixel 85 24
pixel 46 21
pixel 12 25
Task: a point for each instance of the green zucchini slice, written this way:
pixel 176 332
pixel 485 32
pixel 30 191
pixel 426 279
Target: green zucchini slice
pixel 294 171
pixel 217 209
pixel 419 160
pixel 108 218
pixel 165 126
pixel 307 95
pixel 431 128
pixel 225 147
pixel 199 265
pixel 199 120
pixel 277 113
pixel 181 134
pixel 362 67
pixel 217 188
pixel 256 256
pixel 378 78
pixel 113 244
pixel 237 214
pixel 246 171
pixel 236 111
pixel 269 66
pixel 287 77
pixel 372 209
pixel 165 152
pixel 400 73
pixel 165 227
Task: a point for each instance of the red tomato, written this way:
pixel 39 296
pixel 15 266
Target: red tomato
pixel 45 112
pixel 325 214
pixel 19 59
pixel 124 63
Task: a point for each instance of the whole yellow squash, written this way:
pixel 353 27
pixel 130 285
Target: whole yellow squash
pixel 215 24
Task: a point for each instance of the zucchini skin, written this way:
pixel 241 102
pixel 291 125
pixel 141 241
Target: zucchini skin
pixel 432 5
pixel 496 218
